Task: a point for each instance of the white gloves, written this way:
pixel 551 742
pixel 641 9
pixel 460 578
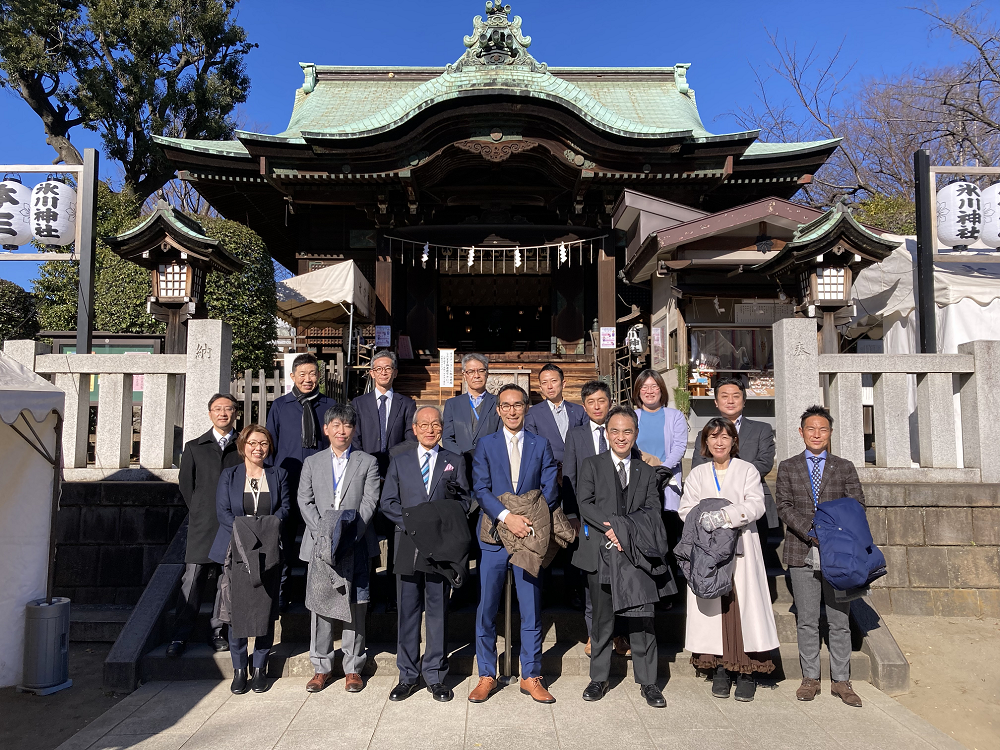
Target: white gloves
pixel 716 519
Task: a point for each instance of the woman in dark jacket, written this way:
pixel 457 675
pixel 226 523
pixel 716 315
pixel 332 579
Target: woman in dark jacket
pixel 252 488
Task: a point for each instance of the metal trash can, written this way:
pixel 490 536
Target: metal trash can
pixel 46 646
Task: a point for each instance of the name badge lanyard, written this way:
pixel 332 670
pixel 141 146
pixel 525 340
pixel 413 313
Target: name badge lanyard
pixel 717 485
pixel 255 492
pixel 336 482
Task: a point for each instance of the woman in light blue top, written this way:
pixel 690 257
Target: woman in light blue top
pixel 662 431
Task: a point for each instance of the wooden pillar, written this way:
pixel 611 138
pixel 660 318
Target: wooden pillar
pixel 606 303
pixel 383 285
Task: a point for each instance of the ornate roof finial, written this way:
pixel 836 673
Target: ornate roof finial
pixel 497 41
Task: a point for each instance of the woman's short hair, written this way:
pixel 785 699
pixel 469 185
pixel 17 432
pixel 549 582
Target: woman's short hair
pixel 641 380
pixel 249 430
pixel 713 426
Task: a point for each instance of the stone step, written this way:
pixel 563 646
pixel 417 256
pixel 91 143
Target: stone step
pixel 200 662
pixel 97 623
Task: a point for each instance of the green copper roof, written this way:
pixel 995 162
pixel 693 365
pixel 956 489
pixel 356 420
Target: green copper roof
pixel 223 148
pixel 767 150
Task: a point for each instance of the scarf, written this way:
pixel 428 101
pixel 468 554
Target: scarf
pixel 310 427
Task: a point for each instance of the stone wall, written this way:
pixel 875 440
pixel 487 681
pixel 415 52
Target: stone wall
pixel 110 537
pixel 942 548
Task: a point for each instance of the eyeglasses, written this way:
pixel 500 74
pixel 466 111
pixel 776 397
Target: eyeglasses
pixel 382 370
pixel 650 387
pixel 255 444
pixel 519 406
pixel 474 373
pixel 223 409
pixel 428 426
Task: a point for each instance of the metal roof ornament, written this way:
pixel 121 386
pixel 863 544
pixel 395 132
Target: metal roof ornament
pixel 497 41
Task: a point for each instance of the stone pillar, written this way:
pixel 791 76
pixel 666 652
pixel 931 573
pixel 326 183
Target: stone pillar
pixel 209 371
pixel 980 394
pixel 114 421
pixel 159 403
pixel 76 419
pixel 23 351
pixel 796 381
pixel 848 439
pixel 892 420
pixel 936 421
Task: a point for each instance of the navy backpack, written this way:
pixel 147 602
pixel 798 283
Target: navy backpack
pixel 847 553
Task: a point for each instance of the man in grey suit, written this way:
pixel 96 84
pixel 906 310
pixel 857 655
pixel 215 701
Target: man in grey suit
pixel 756 440
pixel 472 414
pixel 340 479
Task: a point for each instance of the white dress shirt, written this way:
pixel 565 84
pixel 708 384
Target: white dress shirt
pixel 509 437
pixel 433 453
pixel 626 462
pixel 218 435
pixel 339 465
pixel 388 403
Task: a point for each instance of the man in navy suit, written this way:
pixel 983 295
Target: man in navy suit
pixel 555 416
pixel 297 435
pixel 473 414
pixel 516 461
pixel 420 473
pixel 384 421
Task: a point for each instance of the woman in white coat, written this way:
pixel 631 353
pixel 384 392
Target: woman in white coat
pixel 735 633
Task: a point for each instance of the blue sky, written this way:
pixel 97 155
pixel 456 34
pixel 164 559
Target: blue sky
pixel 721 40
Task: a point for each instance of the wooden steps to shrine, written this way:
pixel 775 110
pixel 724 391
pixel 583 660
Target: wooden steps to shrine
pixel 419 378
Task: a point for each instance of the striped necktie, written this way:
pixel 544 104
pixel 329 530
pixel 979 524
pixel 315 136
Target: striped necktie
pixel 425 472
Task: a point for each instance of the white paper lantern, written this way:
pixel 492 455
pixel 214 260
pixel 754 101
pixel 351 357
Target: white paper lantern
pixel 990 233
pixel 15 213
pixel 959 214
pixel 53 213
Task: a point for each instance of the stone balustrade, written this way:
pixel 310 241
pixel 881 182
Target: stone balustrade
pixel 952 448
pixel 202 372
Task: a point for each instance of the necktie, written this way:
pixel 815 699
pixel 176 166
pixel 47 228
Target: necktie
pixel 425 472
pixel 381 422
pixel 223 441
pixel 602 444
pixel 817 477
pixel 515 462
pixel 621 475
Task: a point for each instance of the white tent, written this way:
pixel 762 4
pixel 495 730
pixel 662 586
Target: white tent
pixel 326 297
pixel 30 435
pixel 967 297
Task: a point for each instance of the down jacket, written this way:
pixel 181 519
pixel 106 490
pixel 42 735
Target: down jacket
pixel 848 556
pixel 708 558
pixel 552 530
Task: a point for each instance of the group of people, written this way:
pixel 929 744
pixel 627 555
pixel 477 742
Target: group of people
pixel 603 480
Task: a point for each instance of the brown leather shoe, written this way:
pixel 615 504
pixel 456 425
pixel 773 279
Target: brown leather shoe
pixel 622 646
pixel 317 683
pixel 845 692
pixel 483 690
pixel 586 648
pixel 535 687
pixel 808 690
pixel 354 683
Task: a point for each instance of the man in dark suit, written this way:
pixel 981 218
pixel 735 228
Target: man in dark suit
pixel 756 441
pixel 203 460
pixel 805 481
pixel 555 416
pixel 516 461
pixel 473 414
pixel 385 420
pixel 589 439
pixel 619 495
pixel 294 423
pixel 420 473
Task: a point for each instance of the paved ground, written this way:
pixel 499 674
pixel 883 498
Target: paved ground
pixel 954 677
pixel 205 715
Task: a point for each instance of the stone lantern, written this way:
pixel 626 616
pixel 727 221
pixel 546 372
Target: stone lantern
pixel 821 261
pixel 179 254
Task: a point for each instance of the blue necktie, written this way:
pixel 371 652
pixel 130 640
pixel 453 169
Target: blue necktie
pixel 817 477
pixel 602 444
pixel 425 472
pixel 381 422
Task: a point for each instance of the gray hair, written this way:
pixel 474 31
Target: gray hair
pixel 342 413
pixel 478 358
pixel 437 411
pixel 386 354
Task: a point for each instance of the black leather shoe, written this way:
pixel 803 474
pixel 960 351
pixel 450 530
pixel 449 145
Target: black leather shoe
pixel 595 690
pixel 391 607
pixel 258 683
pixel 402 691
pixel 175 649
pixel 219 642
pixel 653 696
pixel 441 692
pixel 239 685
pixel 721 683
pixel 746 686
